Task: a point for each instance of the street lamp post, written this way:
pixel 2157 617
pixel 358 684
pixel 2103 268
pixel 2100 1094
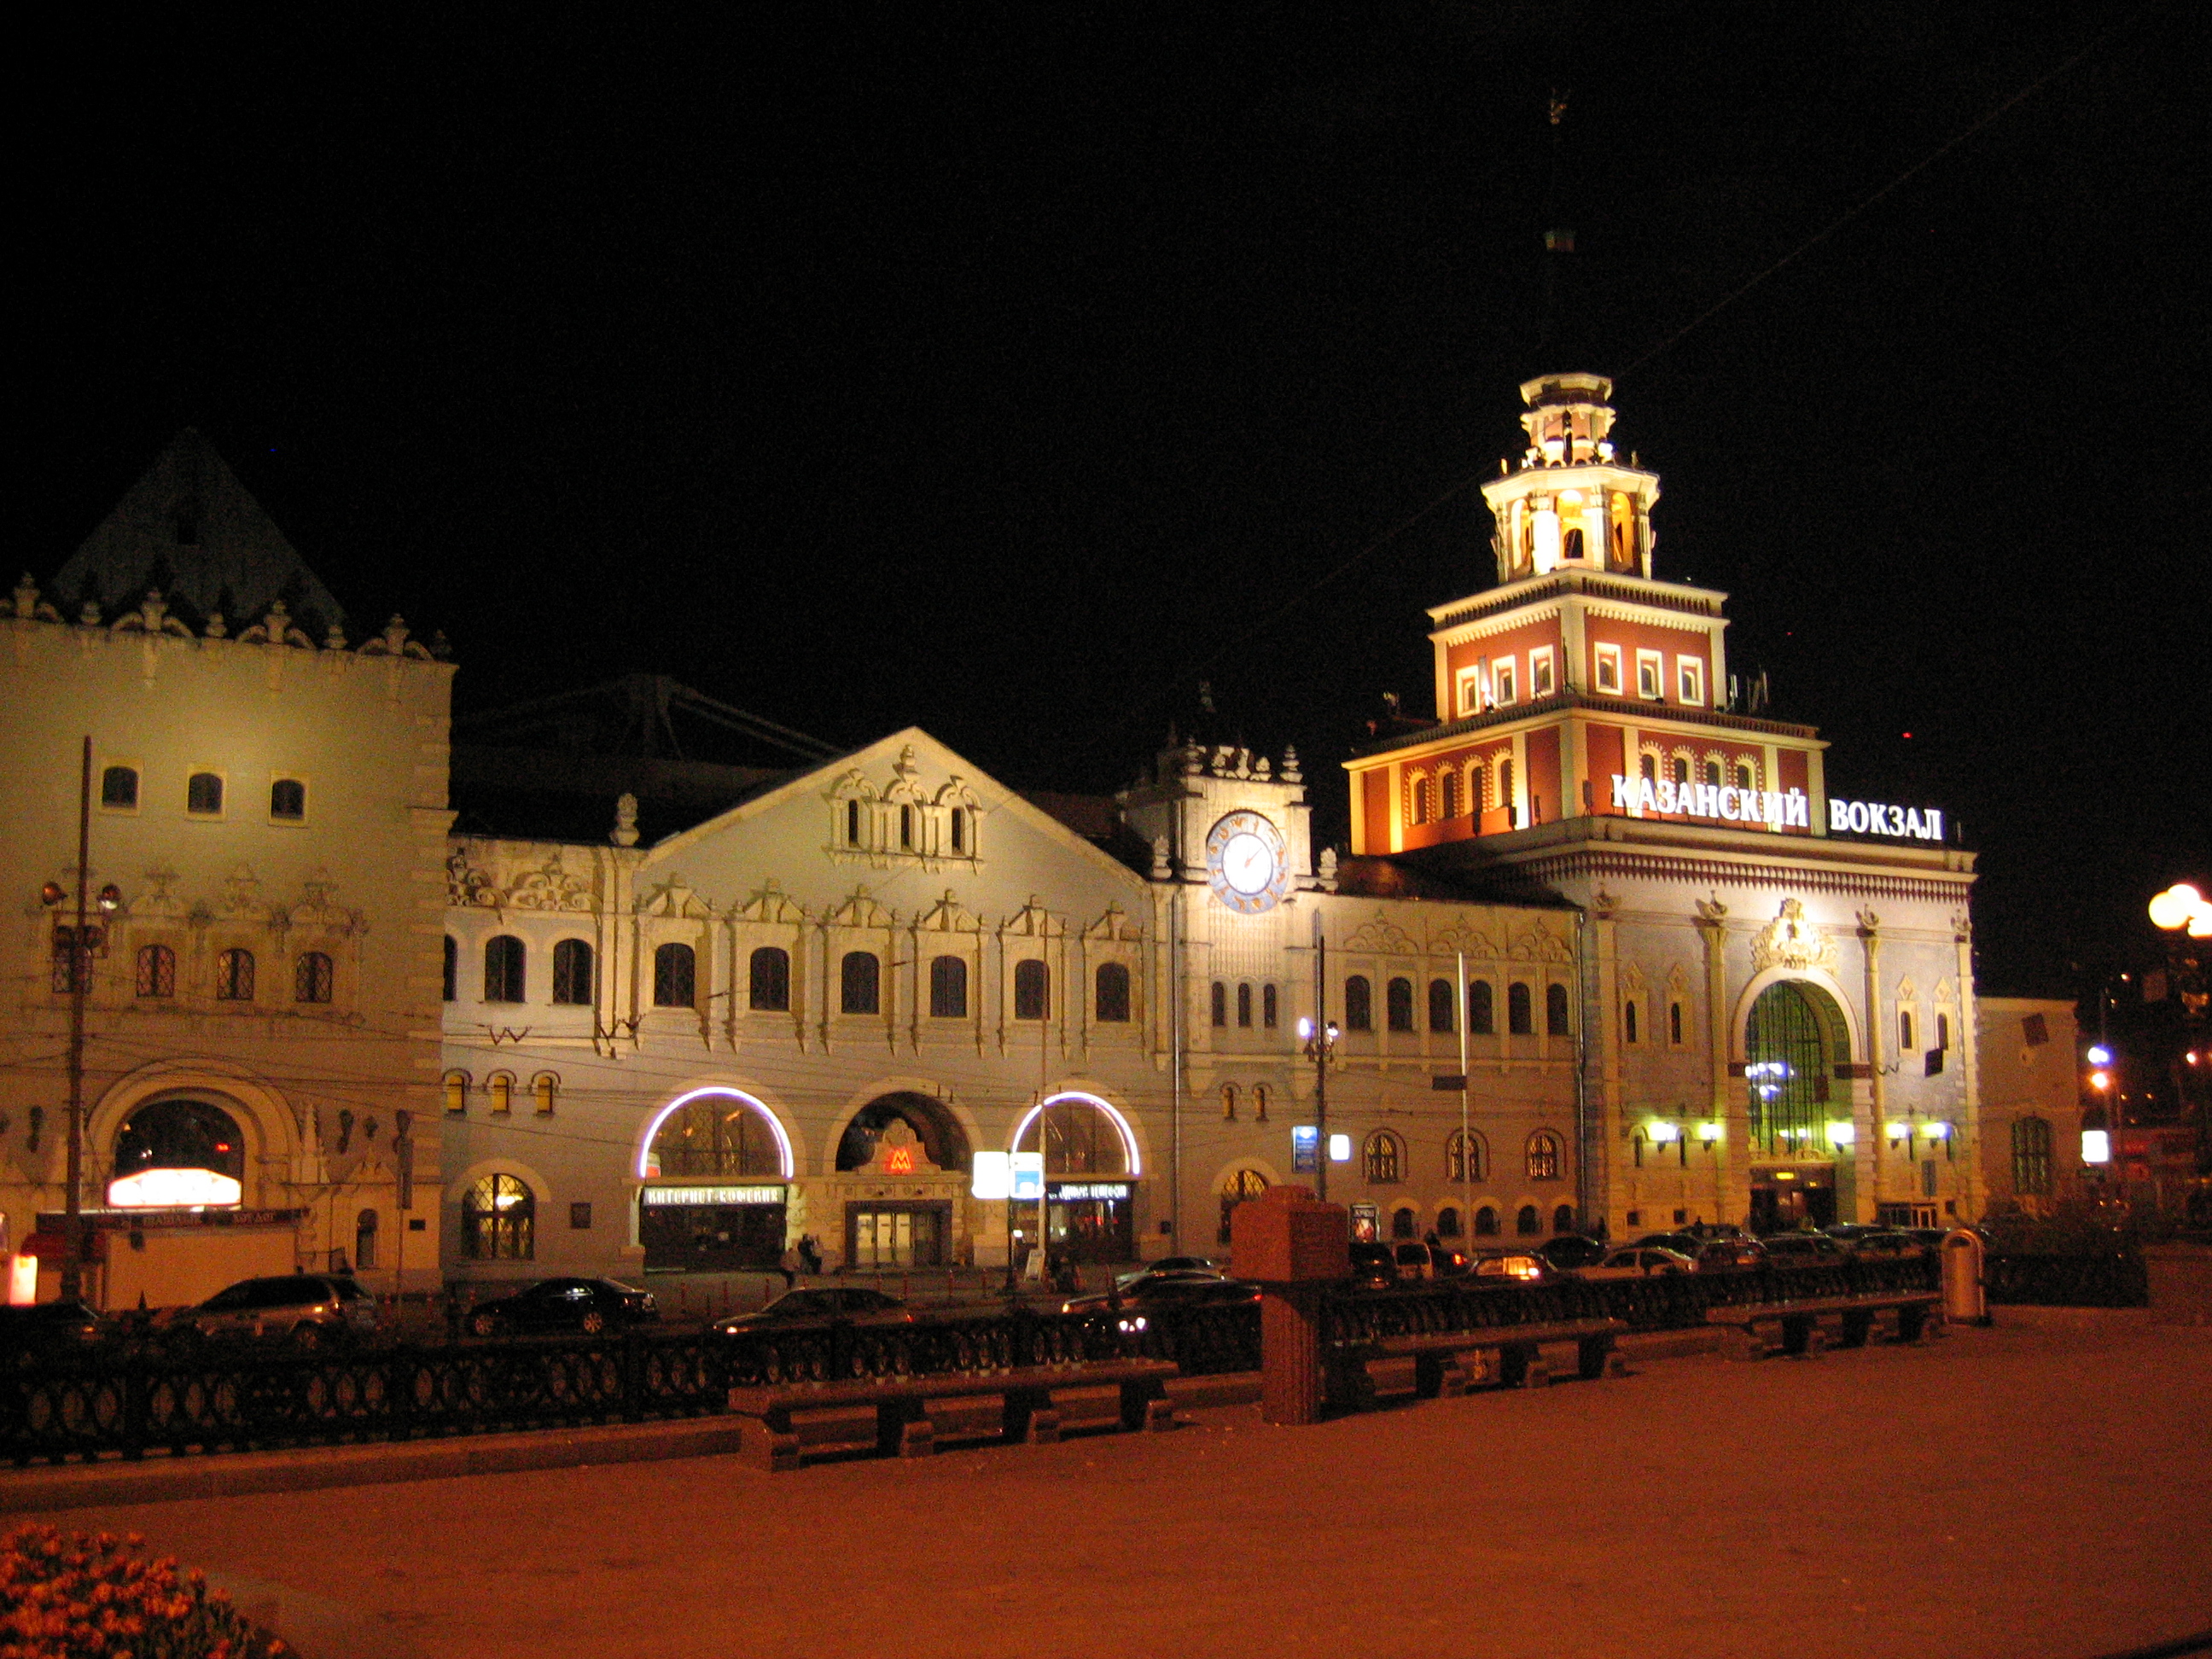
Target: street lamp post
pixel 1319 1047
pixel 2184 915
pixel 77 954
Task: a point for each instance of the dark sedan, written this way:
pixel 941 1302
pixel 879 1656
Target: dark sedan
pixel 50 1330
pixel 1166 1296
pixel 1571 1251
pixel 819 1310
pixel 588 1305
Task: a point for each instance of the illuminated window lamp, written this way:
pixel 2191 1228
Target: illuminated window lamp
pixel 174 1189
pixel 2096 1146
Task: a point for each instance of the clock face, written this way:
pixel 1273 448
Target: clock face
pixel 1244 863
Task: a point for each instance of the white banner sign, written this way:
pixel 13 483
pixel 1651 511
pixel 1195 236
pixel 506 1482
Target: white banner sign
pixel 1772 808
pixel 1866 817
pixel 656 1197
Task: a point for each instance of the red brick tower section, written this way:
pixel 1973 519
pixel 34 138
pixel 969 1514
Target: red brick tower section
pixel 1581 686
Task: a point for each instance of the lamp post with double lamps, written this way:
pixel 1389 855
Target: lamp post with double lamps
pixel 2184 916
pixel 1319 1047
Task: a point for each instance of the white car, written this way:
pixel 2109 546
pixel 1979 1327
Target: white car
pixel 1640 1261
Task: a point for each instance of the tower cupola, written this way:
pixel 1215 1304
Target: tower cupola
pixel 1570 503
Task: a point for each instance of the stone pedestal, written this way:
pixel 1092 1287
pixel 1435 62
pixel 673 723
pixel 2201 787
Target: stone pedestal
pixel 1293 1245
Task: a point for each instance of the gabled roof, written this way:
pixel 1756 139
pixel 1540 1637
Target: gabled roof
pixel 190 530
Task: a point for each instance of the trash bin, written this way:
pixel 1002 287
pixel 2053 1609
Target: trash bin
pixel 1964 1300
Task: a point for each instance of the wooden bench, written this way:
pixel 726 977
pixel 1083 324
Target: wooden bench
pixel 1450 1363
pixel 1802 1326
pixel 908 1415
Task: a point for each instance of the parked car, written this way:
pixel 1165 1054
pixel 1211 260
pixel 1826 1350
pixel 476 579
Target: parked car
pixel 1682 1243
pixel 1166 1296
pixel 1640 1261
pixel 312 1309
pixel 51 1330
pixel 1881 1242
pixel 588 1305
pixel 819 1310
pixel 1734 1255
pixel 1571 1250
pixel 1373 1264
pixel 1523 1266
pixel 1427 1260
pixel 1170 1264
pixel 1133 1283
pixel 1802 1249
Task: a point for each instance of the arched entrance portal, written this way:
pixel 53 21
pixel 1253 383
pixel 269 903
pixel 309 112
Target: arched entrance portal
pixel 907 1157
pixel 176 1152
pixel 1240 1187
pixel 1090 1170
pixel 714 1167
pixel 1795 1037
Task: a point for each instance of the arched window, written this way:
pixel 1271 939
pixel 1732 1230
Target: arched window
pixel 1448 1222
pixel 1520 1018
pixel 312 977
pixel 717 1135
pixel 1267 1007
pixel 1218 1002
pixel 1244 1006
pixel 203 794
pixel 364 1240
pixel 1505 788
pixel 1526 1222
pixel 1229 1102
pixel 287 800
pixel 499 1220
pixel 1543 1155
pixel 181 1134
pixel 1419 813
pixel 503 969
pixel 157 971
pixel 1675 1024
pixel 1555 1010
pixel 543 1089
pixel 457 1091
pixel 1259 1103
pixel 1454 1149
pixel 1448 794
pixel 1402 1222
pixel 1481 1008
pixel 1242 1187
pixel 859 981
pixel 1399 1001
pixel 1441 999
pixel 1713 773
pixel 1032 990
pixel 675 977
pixel 1649 767
pixel 1110 994
pixel 1485 1223
pixel 959 824
pixel 1476 800
pixel 948 988
pixel 233 976
pixel 1743 776
pixel 1359 1004
pixel 2030 1158
pixel 852 823
pixel 1786 1068
pixel 1573 549
pixel 1385 1157
pixel 1562 1218
pixel 572 973
pixel 769 974
pixel 1628 1030
pixel 453 981
pixel 499 1086
pixel 119 787
pixel 906 828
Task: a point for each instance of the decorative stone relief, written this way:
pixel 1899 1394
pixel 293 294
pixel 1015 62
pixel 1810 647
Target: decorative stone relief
pixel 1792 941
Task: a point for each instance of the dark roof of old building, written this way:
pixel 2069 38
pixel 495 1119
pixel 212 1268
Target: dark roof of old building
pixel 191 532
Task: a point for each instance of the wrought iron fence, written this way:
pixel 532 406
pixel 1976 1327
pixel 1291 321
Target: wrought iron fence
pixel 2107 1279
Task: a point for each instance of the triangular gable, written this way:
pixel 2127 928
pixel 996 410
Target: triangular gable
pixel 819 782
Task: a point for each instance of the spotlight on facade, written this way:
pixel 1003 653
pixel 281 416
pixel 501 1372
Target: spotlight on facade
pixel 1662 1132
pixel 1898 1132
pixel 1708 1131
pixel 1842 1134
pixel 1936 1131
pixel 1339 1149
pixel 2096 1146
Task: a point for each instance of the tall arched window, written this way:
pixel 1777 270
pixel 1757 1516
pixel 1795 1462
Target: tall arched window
pixel 1629 1032
pixel 1448 795
pixel 1520 1016
pixel 312 977
pixel 959 825
pixel 1111 1003
pixel 768 979
pixel 1505 786
pixel 860 983
pixel 1481 1008
pixel 1448 1222
pixel 1244 1005
pixel 457 1091
pixel 499 1086
pixel 453 985
pixel 1402 1222
pixel 364 1240
pixel 948 988
pixel 1441 998
pixel 714 1135
pixel 1555 1010
pixel 1675 1024
pixel 503 969
pixel 1543 1155
pixel 1359 1004
pixel 1259 1103
pixel 233 976
pixel 1475 784
pixel 1385 1158
pixel 1229 1102
pixel 1241 1188
pixel 1562 1218
pixel 1269 1006
pixel 675 977
pixel 1218 1002
pixel 1456 1149
pixel 1032 990
pixel 2030 1158
pixel 1786 1069
pixel 572 973
pixel 157 971
pixel 1525 1221
pixel 1399 999
pixel 499 1220
pixel 1420 810
pixel 1486 1222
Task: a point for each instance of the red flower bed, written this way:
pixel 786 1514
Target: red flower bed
pixel 65 1595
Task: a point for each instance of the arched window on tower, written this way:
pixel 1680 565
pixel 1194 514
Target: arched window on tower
pixel 675 977
pixel 572 973
pixel 1244 1006
pixel 1573 549
pixel 1359 1004
pixel 1111 1003
pixel 1399 1001
pixel 860 977
pixel 1441 999
pixel 1269 1004
pixel 768 971
pixel 1520 1017
pixel 1032 990
pixel 1448 795
pixel 1555 1011
pixel 1481 1008
pixel 948 988
pixel 1218 1002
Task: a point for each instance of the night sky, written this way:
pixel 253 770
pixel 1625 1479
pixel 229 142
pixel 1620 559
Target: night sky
pixel 1007 371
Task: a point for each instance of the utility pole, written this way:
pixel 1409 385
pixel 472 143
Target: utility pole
pixel 80 971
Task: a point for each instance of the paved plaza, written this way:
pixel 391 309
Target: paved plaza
pixel 2033 1489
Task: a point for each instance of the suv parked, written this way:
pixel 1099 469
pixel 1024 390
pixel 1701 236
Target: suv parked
pixel 312 1310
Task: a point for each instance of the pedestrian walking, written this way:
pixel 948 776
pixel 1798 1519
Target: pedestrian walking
pixel 792 1262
